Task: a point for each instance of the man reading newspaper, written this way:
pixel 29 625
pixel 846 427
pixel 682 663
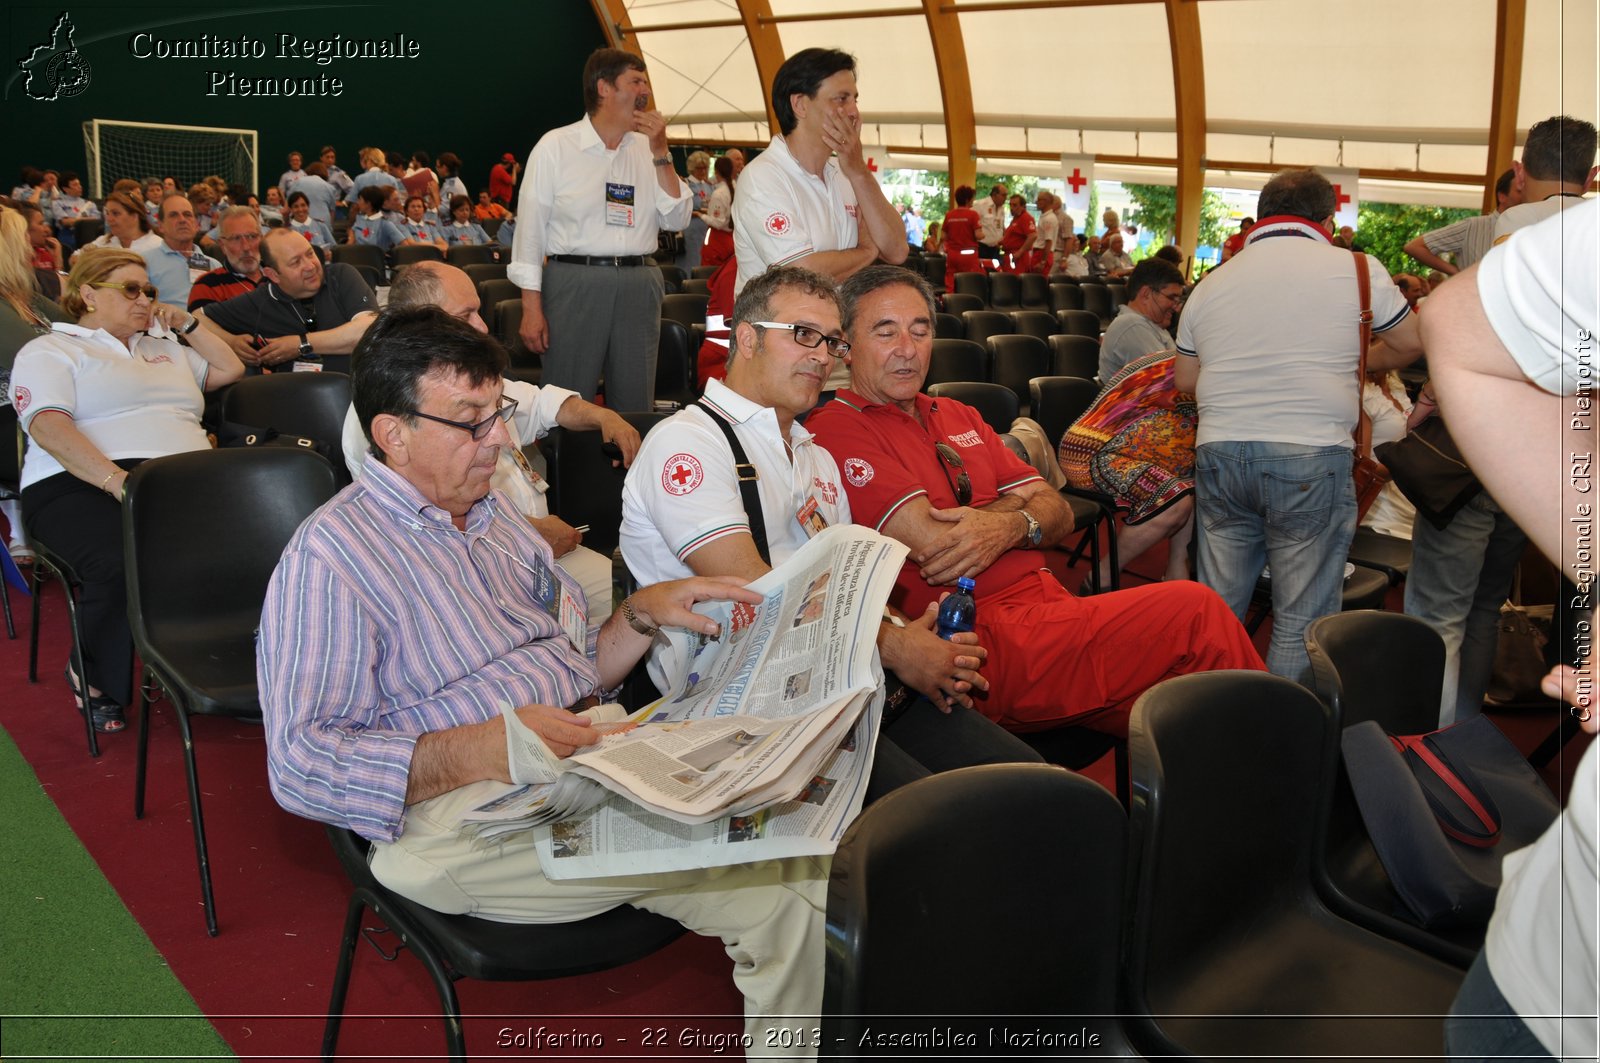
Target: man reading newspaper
pixel 409 608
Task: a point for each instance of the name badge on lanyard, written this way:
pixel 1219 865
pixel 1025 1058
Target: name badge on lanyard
pixel 619 204
pixel 810 519
pixel 553 597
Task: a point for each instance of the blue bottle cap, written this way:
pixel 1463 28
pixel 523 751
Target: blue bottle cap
pixel 966 583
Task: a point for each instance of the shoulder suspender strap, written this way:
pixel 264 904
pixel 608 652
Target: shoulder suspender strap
pixel 748 477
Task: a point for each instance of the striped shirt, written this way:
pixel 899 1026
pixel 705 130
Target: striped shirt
pixel 382 623
pixel 1468 239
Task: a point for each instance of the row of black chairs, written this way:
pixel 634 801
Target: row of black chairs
pixel 1219 919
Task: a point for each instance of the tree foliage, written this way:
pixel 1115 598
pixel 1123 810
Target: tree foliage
pixel 1384 229
pixel 1156 209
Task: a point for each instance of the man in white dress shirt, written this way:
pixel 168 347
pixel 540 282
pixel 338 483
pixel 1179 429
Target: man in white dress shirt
pixel 598 192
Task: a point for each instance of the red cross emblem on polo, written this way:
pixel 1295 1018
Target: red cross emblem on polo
pixel 681 474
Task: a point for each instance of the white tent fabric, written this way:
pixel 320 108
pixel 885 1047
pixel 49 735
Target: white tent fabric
pixel 1388 88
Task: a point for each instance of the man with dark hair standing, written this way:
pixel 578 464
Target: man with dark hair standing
pixel 1270 349
pixel 1468 239
pixel 809 200
pixel 408 609
pixel 1556 169
pixel 598 191
pixel 1155 290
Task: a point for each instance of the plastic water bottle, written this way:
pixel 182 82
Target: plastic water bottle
pixel 958 612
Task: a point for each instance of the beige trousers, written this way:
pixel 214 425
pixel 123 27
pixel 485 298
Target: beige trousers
pixel 768 915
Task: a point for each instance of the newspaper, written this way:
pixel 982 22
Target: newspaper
pixel 761 750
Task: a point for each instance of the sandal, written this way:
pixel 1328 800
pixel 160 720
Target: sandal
pixel 106 714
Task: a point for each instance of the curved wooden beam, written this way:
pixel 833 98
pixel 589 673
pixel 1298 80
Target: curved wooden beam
pixel 614 21
pixel 1510 29
pixel 767 48
pixel 1189 107
pixel 955 89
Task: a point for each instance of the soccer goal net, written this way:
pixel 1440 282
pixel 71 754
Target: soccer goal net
pixel 188 153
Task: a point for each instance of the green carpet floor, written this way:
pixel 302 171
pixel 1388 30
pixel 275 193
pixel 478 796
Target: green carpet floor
pixel 78 977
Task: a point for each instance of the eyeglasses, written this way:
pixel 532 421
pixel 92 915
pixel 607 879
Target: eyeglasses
pixel 963 483
pixel 480 429
pixel 131 289
pixel 806 336
pixel 238 237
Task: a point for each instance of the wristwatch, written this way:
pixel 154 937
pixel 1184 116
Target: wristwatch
pixel 634 622
pixel 1035 530
pixel 305 346
pixel 664 161
pixel 193 324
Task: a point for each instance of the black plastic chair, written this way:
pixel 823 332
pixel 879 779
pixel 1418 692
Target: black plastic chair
pixel 371 277
pixel 1035 323
pixel 1386 553
pixel 585 488
pixel 948 327
pixel 694 286
pixel 1364 588
pixel 684 307
pixel 957 360
pixel 1057 401
pixel 959 303
pixel 86 231
pixel 672 277
pixel 368 255
pixel 1231 950
pixel 1073 355
pixel 504 319
pixel 1097 300
pixel 478 272
pixel 676 358
pixel 981 324
pixel 48 564
pixel 494 290
pixel 924 919
pixel 933 267
pixel 1117 292
pixel 202 533
pixel 10 487
pixel 409 254
pixel 465 255
pixel 702 273
pixel 1079 323
pixel 1065 297
pixel 312 405
pixel 1035 292
pixel 974 285
pixel 452 947
pixel 1015 360
pixel 1005 292
pixel 1387 667
pixel 997 405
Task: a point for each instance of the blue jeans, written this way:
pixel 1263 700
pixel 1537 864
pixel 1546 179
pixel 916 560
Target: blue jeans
pixel 1459 577
pixel 1483 1026
pixel 1285 504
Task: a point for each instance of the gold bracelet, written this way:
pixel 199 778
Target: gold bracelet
pixel 107 480
pixel 634 622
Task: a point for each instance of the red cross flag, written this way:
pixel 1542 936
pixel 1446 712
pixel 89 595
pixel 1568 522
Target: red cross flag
pixel 1077 172
pixel 878 163
pixel 1346 196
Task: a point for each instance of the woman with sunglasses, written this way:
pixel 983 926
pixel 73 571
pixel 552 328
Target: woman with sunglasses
pixel 97 397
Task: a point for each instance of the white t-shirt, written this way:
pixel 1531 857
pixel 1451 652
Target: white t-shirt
pixel 1276 335
pixel 1392 512
pixel 782 213
pixel 682 493
pixel 1049 226
pixel 1541 939
pixel 991 220
pixel 139 401
pixel 1541 292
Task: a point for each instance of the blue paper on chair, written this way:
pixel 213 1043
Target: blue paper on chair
pixel 14 574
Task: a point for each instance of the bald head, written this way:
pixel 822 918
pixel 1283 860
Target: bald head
pixel 442 285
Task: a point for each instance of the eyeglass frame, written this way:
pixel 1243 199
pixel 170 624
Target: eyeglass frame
pixel 131 290
pixel 477 430
pixel 949 459
pixel 838 347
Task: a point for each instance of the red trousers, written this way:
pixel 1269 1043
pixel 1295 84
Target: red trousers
pixel 1055 658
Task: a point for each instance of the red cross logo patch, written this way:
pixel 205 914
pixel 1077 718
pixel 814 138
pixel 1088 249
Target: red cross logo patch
pixel 857 471
pixel 24 397
pixel 778 223
pixel 681 474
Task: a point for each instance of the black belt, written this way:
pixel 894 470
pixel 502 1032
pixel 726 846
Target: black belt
pixel 601 260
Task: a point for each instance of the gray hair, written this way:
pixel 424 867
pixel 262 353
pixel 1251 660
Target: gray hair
pixel 869 280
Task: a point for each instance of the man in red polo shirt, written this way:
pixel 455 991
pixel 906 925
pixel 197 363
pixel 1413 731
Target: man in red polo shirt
pixel 931 474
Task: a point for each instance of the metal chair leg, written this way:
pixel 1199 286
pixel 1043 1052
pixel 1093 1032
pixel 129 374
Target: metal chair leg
pixel 202 854
pixel 142 760
pixel 341 977
pixel 33 635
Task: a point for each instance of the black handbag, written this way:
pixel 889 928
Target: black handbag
pixel 1430 471
pixel 1442 810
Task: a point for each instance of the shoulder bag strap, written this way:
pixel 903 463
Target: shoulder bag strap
pixel 748 477
pixel 1363 433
